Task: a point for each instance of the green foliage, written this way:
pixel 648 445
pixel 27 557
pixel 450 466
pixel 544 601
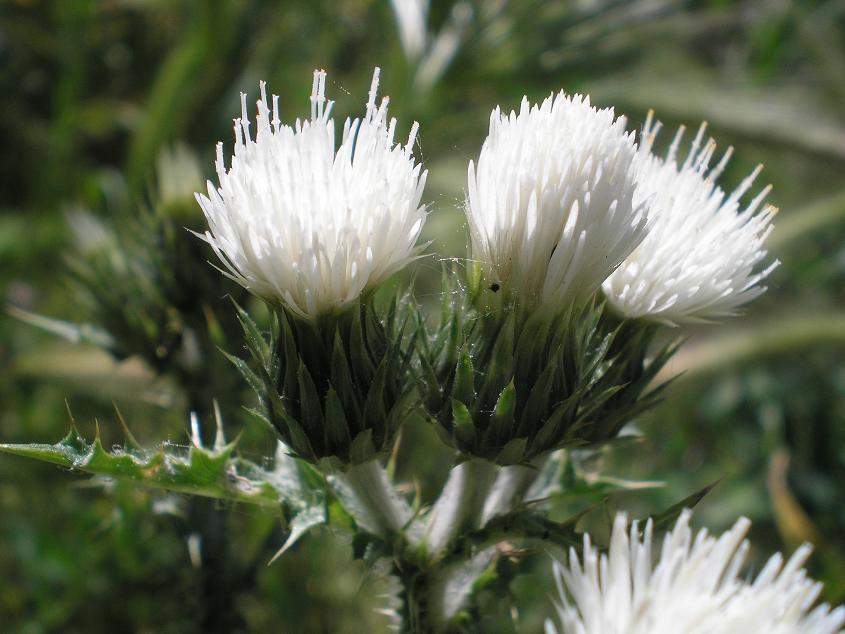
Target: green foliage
pixel 148 285
pixel 292 488
pixel 199 472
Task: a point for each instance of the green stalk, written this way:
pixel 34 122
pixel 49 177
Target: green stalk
pixel 415 612
pixel 460 505
pixel 509 489
pixel 375 504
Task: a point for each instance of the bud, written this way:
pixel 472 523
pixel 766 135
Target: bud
pixel 314 230
pixel 515 373
pixel 510 387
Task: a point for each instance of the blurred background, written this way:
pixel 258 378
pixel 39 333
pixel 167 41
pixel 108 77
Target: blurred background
pixel 110 114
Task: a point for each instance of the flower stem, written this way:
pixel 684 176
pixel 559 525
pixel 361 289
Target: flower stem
pixel 415 596
pixel 460 505
pixel 508 490
pixel 372 500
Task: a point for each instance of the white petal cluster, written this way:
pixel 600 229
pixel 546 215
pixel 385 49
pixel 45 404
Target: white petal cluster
pixel 694 588
pixel 296 220
pixel 699 259
pixel 551 204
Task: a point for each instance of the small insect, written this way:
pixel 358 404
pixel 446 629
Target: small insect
pixel 495 287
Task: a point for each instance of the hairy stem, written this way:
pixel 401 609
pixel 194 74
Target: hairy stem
pixel 372 500
pixel 415 596
pixel 508 490
pixel 460 505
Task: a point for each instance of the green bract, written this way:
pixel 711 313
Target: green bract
pixel 509 385
pixel 337 388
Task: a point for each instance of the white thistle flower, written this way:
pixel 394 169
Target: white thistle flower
pixel 550 203
pixel 694 588
pixel 296 220
pixel 698 261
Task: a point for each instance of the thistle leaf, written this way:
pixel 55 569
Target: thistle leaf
pixel 197 470
pixel 291 488
pixel 302 522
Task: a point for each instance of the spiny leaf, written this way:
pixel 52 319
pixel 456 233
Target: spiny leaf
pixel 199 471
pixel 464 429
pixel 337 436
pixel 431 387
pixel 513 452
pixel 665 519
pixel 311 411
pixel 217 473
pixel 537 402
pixel 255 339
pixel 528 525
pixel 341 379
pixel 302 523
pixel 246 372
pixel 464 390
pixel 497 360
pixel 362 448
pixel 68 452
pixel 545 438
pixel 288 358
pixel 375 415
pixel 502 421
pixel 359 353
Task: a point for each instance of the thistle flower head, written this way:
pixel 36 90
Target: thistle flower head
pixel 297 220
pixel 699 260
pixel 551 202
pixel 694 588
